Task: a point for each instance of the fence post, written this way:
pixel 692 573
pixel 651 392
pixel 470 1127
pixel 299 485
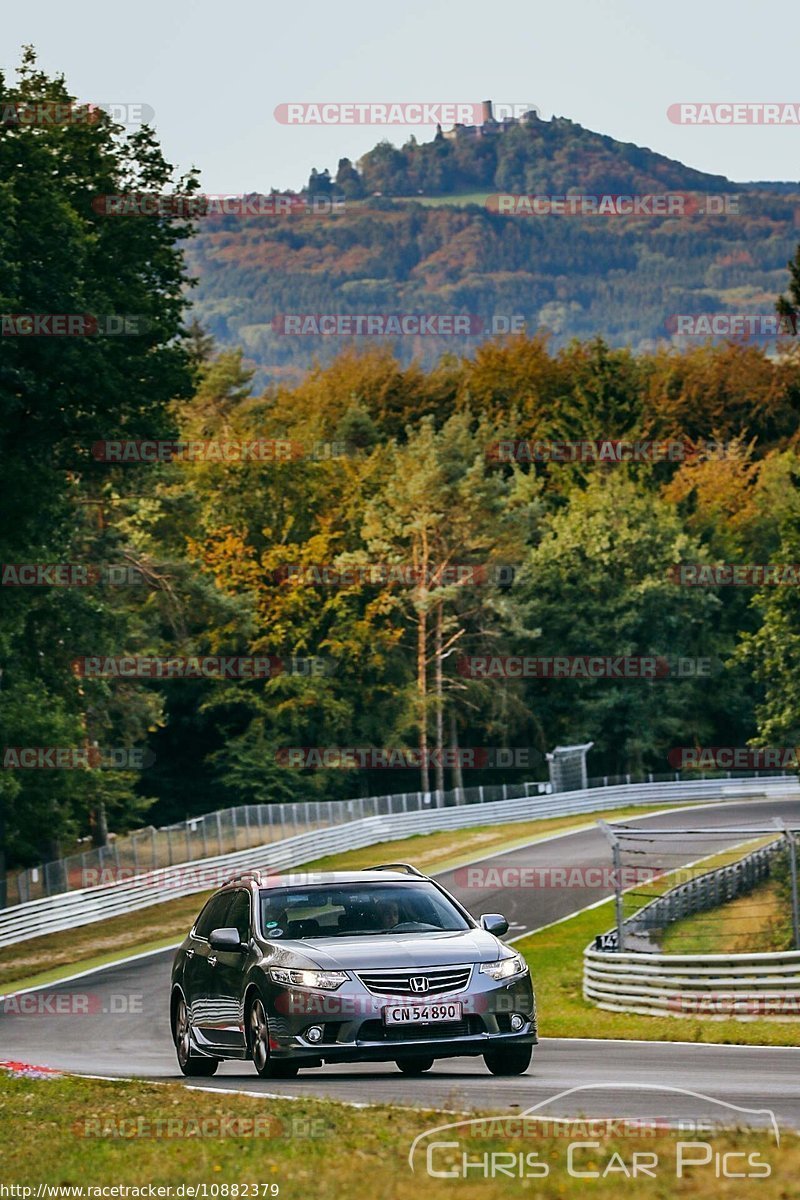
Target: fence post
pixel 219 832
pixel 792 848
pixel 615 856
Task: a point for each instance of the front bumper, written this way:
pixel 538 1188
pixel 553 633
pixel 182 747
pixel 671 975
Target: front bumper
pixel 354 1031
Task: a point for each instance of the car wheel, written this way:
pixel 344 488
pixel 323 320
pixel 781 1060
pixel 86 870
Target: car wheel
pixel 182 1036
pixel 511 1060
pixel 258 1044
pixel 416 1065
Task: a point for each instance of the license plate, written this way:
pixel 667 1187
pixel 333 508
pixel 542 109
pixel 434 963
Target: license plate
pixel 421 1014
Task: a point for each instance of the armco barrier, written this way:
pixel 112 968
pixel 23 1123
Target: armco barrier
pixel 703 892
pixel 719 986
pixel 71 909
pixel 229 830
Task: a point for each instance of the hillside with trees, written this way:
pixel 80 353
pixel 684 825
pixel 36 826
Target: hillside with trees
pixel 414 230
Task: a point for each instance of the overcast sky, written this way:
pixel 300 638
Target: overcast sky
pixel 214 72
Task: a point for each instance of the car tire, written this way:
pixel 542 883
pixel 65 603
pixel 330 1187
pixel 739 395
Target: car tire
pixel 418 1064
pixel 258 1045
pixel 510 1060
pixel 190 1064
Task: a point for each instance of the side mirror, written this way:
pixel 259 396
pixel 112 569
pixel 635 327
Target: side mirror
pixel 226 939
pixel 494 923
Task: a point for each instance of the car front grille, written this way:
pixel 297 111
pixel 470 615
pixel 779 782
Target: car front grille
pixel 439 982
pixel 376 1031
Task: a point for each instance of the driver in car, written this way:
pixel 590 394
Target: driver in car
pixel 389 915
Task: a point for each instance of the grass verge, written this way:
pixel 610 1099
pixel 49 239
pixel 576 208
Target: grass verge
pixel 89 1133
pixel 46 959
pixel 750 924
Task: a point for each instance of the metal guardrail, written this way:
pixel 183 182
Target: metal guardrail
pixel 226 831
pixel 229 830
pixel 718 986
pixel 81 907
pixel 745 986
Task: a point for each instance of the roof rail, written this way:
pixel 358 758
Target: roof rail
pixel 242 876
pixel 409 870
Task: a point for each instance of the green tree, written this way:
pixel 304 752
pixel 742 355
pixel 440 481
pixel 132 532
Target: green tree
pixel 61 254
pixel 441 507
pixel 598 584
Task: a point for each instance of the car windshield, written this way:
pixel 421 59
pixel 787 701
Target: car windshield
pixel 357 910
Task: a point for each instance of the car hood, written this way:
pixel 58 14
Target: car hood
pixel 411 950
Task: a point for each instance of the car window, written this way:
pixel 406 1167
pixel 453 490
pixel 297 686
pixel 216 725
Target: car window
pixel 214 915
pixel 354 910
pixel 238 915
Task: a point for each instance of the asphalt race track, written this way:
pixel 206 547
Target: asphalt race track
pixel 116 1019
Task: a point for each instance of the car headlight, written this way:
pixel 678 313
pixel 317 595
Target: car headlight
pixel 504 968
pixel 326 981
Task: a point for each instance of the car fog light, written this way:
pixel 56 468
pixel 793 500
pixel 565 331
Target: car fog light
pixel 516 1022
pixel 314 1033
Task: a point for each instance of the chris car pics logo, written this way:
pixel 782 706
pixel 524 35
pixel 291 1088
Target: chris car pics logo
pixel 520 1148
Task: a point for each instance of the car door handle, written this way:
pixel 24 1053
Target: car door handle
pixel 212 962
